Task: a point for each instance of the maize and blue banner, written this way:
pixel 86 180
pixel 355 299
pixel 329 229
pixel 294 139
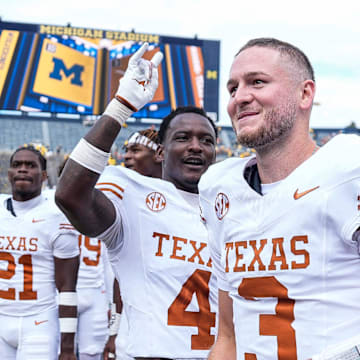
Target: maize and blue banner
pixel 65 69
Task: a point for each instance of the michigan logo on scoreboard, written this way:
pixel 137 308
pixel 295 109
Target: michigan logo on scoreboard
pixel 65 73
pixel 65 69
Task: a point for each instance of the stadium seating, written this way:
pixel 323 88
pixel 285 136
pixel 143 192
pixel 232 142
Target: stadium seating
pixel 61 136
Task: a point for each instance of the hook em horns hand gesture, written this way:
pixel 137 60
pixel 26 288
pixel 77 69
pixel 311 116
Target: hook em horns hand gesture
pixel 137 86
pixel 140 81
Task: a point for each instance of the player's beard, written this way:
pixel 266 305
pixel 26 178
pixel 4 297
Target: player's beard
pixel 277 122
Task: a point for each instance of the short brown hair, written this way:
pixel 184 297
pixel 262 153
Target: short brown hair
pixel 284 48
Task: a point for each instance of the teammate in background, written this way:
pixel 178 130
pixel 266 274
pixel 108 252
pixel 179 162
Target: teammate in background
pixel 93 299
pixel 151 227
pixel 140 153
pixel 284 225
pixel 38 253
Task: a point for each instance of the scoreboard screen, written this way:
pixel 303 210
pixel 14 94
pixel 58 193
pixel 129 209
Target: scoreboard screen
pixel 64 69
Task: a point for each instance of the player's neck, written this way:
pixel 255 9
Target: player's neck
pixel 25 196
pixel 22 207
pixel 277 163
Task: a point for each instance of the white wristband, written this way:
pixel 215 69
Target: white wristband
pixel 114 323
pixel 113 308
pixel 89 156
pixel 118 111
pixel 68 325
pixel 68 298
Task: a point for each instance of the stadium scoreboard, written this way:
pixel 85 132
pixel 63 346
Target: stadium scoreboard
pixel 73 70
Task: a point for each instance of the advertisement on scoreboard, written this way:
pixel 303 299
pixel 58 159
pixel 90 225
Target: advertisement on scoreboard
pixel 65 69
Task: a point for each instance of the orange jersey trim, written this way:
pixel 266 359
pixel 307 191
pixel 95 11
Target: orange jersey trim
pixel 111 184
pixel 113 191
pixel 118 194
pixel 66 226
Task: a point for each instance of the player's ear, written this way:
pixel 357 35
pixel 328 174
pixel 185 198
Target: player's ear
pixel 307 94
pixel 44 175
pixel 159 153
pixel 157 158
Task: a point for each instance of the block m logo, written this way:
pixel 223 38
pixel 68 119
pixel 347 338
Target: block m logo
pixel 59 67
pixel 211 74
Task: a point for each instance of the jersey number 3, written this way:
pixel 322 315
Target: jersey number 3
pixel 204 319
pixel 279 324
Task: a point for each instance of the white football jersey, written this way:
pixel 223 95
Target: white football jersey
pixel 28 244
pixel 93 297
pixel 287 258
pixel 162 263
pixel 91 269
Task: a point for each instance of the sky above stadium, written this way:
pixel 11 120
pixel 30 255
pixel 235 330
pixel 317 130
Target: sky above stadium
pixel 328 32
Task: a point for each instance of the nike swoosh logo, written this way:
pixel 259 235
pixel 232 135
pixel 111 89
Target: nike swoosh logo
pixel 37 220
pixel 298 195
pixel 40 322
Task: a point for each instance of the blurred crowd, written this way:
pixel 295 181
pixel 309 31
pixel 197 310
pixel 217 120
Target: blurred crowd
pixel 57 156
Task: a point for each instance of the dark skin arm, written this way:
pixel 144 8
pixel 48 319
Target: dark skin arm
pixel 66 271
pixel 87 208
pixel 110 345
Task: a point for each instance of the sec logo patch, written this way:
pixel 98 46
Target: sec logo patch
pixel 221 205
pixel 155 201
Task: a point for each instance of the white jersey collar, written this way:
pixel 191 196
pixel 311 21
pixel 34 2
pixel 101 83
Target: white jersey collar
pixel 22 207
pixel 191 198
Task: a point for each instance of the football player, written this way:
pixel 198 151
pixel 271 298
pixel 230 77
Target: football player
pixel 151 227
pixel 93 298
pixel 140 153
pixel 284 224
pixel 38 254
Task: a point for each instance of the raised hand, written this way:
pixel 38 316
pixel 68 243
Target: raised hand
pixel 140 81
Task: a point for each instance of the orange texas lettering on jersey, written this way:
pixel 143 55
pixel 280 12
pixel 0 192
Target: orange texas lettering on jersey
pixel 176 248
pixel 18 243
pixel 280 250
